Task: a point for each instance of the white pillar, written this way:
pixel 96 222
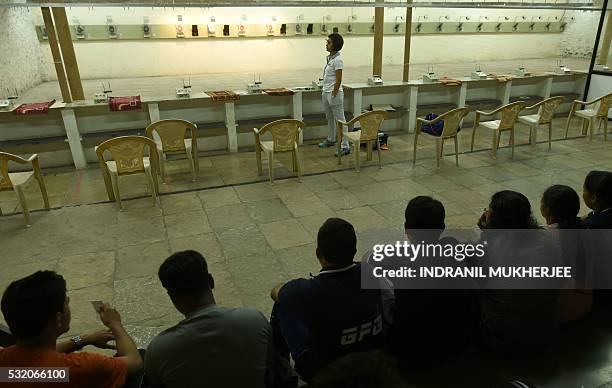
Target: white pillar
pixel 412 109
pixel 296 110
pixel 153 111
pixel 357 101
pixel 547 87
pixel 462 95
pixel 507 89
pixel 74 138
pixel 230 123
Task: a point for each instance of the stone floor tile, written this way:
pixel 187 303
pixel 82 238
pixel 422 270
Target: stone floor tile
pixel 242 240
pixel 228 215
pixel 226 292
pixel 143 301
pixel 140 232
pixel 320 182
pixel 206 244
pixel 392 211
pixel 299 261
pixel 313 222
pixel 362 218
pixel 255 192
pixel 352 178
pixel 140 260
pixel 255 276
pixel 87 269
pixel 214 198
pixel 301 206
pixel 285 234
pixel 180 203
pixel 340 199
pixel 267 211
pixel 187 224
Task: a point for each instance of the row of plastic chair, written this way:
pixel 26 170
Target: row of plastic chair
pixel 128 154
pixel 286 134
pixel 509 116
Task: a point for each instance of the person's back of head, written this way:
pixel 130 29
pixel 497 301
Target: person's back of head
pixel 510 210
pixel 34 303
pixel 372 369
pixel 560 204
pixel 597 190
pixel 424 218
pixel 336 243
pixel 186 278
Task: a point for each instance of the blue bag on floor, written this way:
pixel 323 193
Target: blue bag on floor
pixel 434 129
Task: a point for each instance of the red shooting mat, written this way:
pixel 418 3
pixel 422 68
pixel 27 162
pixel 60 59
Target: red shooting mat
pixel 35 108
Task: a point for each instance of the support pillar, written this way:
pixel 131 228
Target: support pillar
pixel 604 50
pixel 407 38
pixel 379 25
pixel 55 53
pixel 230 123
pixel 70 62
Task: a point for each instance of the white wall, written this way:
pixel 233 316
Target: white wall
pixel 579 36
pixel 151 58
pixel 114 59
pixel 20 51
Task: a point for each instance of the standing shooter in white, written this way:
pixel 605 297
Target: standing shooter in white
pixel 333 96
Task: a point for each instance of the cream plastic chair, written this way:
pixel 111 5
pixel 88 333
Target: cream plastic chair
pixel 285 137
pixel 169 136
pixel 544 116
pixel 452 122
pixel 18 180
pixel 509 115
pixel 370 125
pixel 591 116
pixel 127 158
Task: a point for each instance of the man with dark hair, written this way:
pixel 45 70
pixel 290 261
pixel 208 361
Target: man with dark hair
pixel 37 311
pixel 333 95
pixel 213 346
pixel 329 315
pixel 421 333
pixel 424 215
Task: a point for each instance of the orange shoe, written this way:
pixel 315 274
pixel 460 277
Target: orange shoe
pixel 384 147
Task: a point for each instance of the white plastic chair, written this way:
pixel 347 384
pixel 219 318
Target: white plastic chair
pixel 17 181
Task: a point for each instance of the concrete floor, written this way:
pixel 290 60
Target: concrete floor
pixel 255 235
pixel 157 87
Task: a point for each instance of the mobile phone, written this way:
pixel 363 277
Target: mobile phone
pixel 97 305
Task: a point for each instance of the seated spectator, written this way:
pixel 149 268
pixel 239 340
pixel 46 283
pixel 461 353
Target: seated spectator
pixel 372 369
pixel 516 320
pixel 213 346
pixel 560 206
pixel 597 195
pixel 330 315
pixel 421 332
pixel 37 312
